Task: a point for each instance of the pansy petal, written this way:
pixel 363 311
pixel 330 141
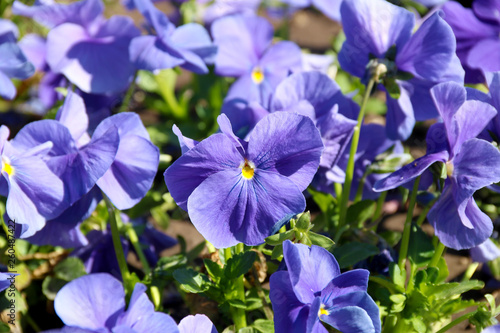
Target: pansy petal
pixel 311 269
pixel 331 8
pixel 336 131
pixel 211 155
pixel 7 88
pixel 91 301
pixel 241 40
pixel 74 116
pixel 290 315
pixel 14 63
pixel 243 115
pixel 372 27
pixel 245 88
pixel 313 323
pixel 132 173
pixel 64 230
pixel 429 51
pixel 348 282
pixel 400 117
pixel 286 143
pixel 448 98
pixel 53 14
pixel 279 60
pixel 485 252
pixel 450 228
pixel 195 38
pixel 245 210
pixel 476 166
pixel 197 324
pixel 480 55
pixel 351 319
pixel 409 171
pixel 185 142
pixel 151 54
pixel 313 87
pixel 34 48
pixel 470 120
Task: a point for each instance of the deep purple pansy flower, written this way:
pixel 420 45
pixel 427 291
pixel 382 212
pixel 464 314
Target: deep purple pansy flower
pixel 188 46
pixel 485 252
pixel 92 52
pixel 247 53
pixel 197 324
pixel 379 33
pixel 238 191
pixel 470 163
pixel 13 62
pixel 34 193
pixel 96 303
pixel 312 291
pixel 476 30
pixel 331 8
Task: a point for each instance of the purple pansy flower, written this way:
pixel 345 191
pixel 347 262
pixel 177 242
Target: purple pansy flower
pixel 331 8
pixel 476 30
pixel 6 279
pixel 318 97
pixel 96 303
pixel 312 291
pixel 492 329
pixel 188 46
pixel 89 50
pixel 34 193
pixel 197 324
pixel 13 62
pixel 238 191
pixel 222 8
pixel 245 52
pixel 485 252
pixel 243 115
pixel 379 33
pixel 471 164
pixel 98 255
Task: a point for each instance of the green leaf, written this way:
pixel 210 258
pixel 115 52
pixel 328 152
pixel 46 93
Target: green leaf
pixel 352 253
pixel 253 303
pixel 304 222
pixel 263 326
pixel 398 276
pixel 167 265
pixel 51 286
pixel 452 290
pixel 360 212
pixel 239 264
pixel 420 249
pixel 191 281
pixel 4 328
pixel 392 88
pixel 246 330
pixel 236 303
pixel 69 269
pixel 213 269
pixel 277 253
pixel 324 201
pixel 320 240
pixel 279 238
pixel 195 252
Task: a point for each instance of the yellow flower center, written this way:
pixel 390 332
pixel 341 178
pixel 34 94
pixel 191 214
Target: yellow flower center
pixel 257 75
pixel 323 311
pixel 247 170
pixel 449 168
pixel 6 167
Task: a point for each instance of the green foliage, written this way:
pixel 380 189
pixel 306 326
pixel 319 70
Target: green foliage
pixel 353 252
pixel 64 272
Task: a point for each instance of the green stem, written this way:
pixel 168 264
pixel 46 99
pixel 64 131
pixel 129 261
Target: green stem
pixel 117 244
pixel 437 254
pixel 128 95
pixel 361 185
pixel 403 252
pixel 265 306
pixel 350 164
pixel 237 292
pixel 380 206
pixel 132 236
pixel 470 271
pixel 424 212
pixel 166 82
pixel 456 322
pixel 156 296
pixel 32 323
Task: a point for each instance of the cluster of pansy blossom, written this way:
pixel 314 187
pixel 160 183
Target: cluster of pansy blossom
pixel 272 132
